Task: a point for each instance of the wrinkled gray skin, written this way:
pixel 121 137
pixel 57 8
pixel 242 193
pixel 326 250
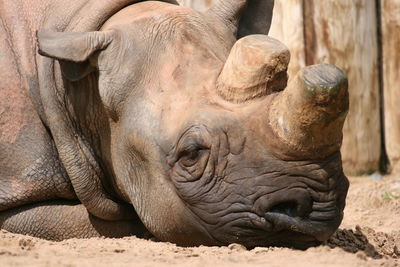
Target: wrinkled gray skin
pixel 121 131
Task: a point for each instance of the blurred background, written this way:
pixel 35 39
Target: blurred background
pixel 362 37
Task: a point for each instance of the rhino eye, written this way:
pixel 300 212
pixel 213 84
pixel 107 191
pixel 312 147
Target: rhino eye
pixel 191 163
pixel 191 155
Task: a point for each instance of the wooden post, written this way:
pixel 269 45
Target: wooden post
pixel 287 26
pixel 390 14
pixel 344 33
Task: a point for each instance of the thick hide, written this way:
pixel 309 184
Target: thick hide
pixel 121 117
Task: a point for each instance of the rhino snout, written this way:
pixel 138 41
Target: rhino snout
pixel 295 211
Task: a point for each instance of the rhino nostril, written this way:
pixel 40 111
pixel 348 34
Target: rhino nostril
pixel 288 208
pixel 295 202
pixel 293 208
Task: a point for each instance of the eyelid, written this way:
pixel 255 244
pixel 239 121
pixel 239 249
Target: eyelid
pixel 193 146
pixel 190 143
pixel 194 138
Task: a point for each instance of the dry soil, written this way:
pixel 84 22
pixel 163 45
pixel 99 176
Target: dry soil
pixel 368 236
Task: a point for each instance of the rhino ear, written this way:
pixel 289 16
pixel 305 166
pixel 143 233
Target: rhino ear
pixel 256 18
pixel 244 17
pixel 73 49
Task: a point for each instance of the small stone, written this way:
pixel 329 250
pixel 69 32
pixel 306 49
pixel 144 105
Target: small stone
pixel 237 247
pixel 259 250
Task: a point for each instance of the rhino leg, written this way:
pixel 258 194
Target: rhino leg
pixel 59 220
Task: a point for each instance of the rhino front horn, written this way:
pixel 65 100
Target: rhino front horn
pixel 308 115
pixel 256 66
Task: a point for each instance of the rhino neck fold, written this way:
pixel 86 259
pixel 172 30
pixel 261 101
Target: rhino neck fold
pixel 69 127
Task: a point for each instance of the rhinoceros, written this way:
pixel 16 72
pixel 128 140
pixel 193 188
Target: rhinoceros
pixel 125 117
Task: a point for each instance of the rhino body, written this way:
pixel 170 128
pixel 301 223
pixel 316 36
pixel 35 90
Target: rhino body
pixel 118 118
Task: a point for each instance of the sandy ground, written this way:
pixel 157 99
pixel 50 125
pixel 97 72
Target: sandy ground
pixel 369 236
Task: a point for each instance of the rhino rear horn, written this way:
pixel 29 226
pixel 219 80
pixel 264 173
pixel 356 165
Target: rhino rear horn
pixel 73 49
pixel 256 66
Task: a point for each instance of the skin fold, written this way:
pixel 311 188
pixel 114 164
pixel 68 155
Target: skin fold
pixel 154 117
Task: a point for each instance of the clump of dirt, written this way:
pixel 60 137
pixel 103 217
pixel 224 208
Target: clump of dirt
pixel 374 244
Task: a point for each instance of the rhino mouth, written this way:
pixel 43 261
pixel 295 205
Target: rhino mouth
pixel 320 221
pixel 283 228
pixel 320 230
pixel 295 220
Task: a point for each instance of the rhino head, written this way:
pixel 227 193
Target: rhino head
pixel 198 131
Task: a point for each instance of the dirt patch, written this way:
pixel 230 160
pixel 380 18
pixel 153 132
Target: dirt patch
pixel 373 244
pixel 369 236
